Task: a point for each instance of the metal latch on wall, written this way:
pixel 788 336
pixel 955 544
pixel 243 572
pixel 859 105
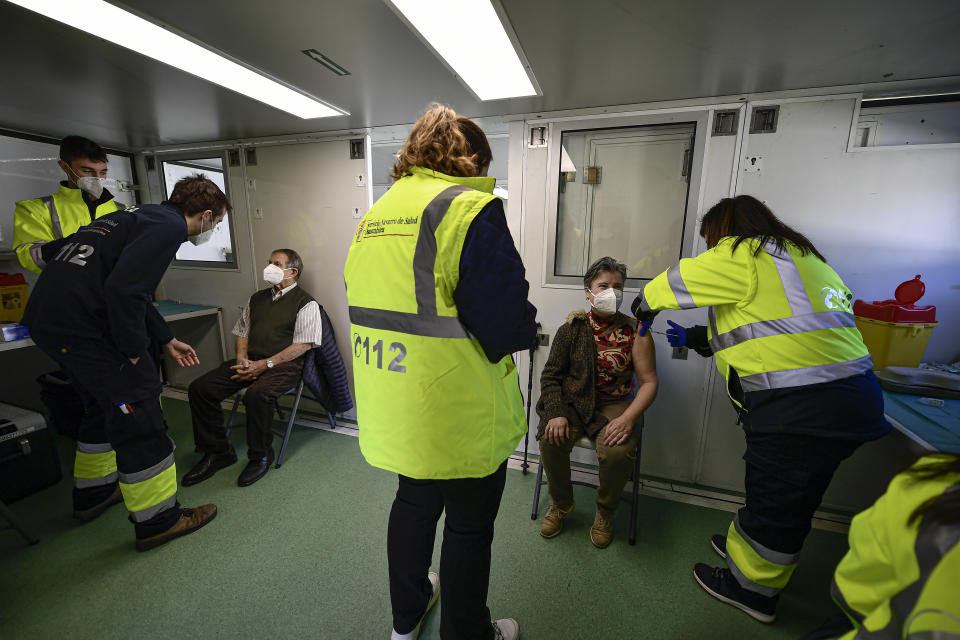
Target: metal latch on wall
pixel 538 137
pixel 357 148
pixel 592 175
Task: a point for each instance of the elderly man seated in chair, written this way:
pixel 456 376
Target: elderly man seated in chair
pixel 278 326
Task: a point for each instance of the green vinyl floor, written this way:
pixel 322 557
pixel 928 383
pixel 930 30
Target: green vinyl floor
pixel 302 554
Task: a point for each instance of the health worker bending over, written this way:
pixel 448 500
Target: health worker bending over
pixel 782 331
pixel 438 302
pixel 585 389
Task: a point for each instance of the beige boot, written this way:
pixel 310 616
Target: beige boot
pixel 601 533
pixel 553 522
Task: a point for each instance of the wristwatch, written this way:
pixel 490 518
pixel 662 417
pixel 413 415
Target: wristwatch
pixel 269 364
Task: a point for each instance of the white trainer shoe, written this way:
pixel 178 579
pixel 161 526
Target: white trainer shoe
pixel 413 635
pixel 506 629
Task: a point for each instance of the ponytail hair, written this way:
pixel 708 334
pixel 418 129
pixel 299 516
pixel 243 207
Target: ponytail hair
pixel 444 142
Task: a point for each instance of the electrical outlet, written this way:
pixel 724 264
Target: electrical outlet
pixel 360 180
pixel 680 353
pixel 543 340
pixel 258 213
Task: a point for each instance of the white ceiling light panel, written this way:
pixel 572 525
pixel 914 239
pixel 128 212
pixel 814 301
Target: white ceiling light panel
pixel 473 40
pixel 121 27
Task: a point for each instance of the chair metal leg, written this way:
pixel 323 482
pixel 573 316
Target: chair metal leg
pixel 293 415
pixel 233 412
pixel 634 503
pixel 332 419
pixel 19 526
pixel 536 491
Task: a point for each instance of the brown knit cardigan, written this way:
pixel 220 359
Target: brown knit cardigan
pixel 568 384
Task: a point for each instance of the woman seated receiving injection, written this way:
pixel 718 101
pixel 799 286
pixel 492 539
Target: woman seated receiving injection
pixel 586 389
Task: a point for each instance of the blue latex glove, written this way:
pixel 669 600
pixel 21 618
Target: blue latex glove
pixel 676 335
pixel 644 327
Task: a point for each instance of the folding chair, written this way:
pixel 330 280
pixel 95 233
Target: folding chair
pixel 298 390
pixel 586 443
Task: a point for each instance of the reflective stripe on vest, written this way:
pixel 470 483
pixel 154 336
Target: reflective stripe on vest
pixel 756 567
pixel 795 324
pixel 414 323
pixel 151 491
pixel 425 254
pixel 679 288
pixel 54 216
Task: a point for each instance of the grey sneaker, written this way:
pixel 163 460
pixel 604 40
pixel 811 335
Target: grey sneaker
pixel 506 629
pixel 553 522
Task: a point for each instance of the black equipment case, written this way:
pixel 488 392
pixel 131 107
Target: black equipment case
pixel 28 454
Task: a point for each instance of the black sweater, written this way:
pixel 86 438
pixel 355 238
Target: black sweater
pixel 99 282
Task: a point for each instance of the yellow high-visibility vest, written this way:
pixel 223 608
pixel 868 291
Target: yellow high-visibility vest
pixel 429 403
pixel 41 220
pixel 901 580
pixel 779 318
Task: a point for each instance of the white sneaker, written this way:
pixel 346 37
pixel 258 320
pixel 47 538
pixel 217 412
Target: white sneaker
pixel 506 629
pixel 413 635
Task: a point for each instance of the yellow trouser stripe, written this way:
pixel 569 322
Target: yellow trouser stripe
pixel 754 567
pixel 94 465
pixel 150 492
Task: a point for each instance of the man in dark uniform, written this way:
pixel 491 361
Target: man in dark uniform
pixel 92 312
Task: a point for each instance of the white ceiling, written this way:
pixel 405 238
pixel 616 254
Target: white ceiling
pixel 56 80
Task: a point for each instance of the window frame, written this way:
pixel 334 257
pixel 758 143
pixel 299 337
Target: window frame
pixel 699 117
pixel 183 159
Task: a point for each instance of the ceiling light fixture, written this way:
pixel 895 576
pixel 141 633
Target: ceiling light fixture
pixel 496 71
pixel 122 27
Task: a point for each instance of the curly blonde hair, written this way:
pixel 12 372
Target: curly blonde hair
pixel 445 142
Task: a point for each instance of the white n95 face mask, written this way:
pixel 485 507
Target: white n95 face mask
pixel 607 302
pixel 93 186
pixel 272 274
pixel 201 237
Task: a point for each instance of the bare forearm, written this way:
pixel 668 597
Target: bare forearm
pixel 242 346
pixel 292 352
pixel 646 393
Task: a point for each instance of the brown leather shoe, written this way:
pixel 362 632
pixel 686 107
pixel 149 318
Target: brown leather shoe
pixel 94 512
pixel 601 533
pixel 553 522
pixel 190 520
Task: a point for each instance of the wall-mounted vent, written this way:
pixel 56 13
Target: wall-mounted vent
pixel 316 56
pixel 725 122
pixel 233 157
pixel 357 148
pixel 251 156
pixel 764 119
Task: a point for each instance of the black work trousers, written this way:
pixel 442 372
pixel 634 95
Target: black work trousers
pixel 105 379
pixel 471 506
pixel 209 390
pixel 786 477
